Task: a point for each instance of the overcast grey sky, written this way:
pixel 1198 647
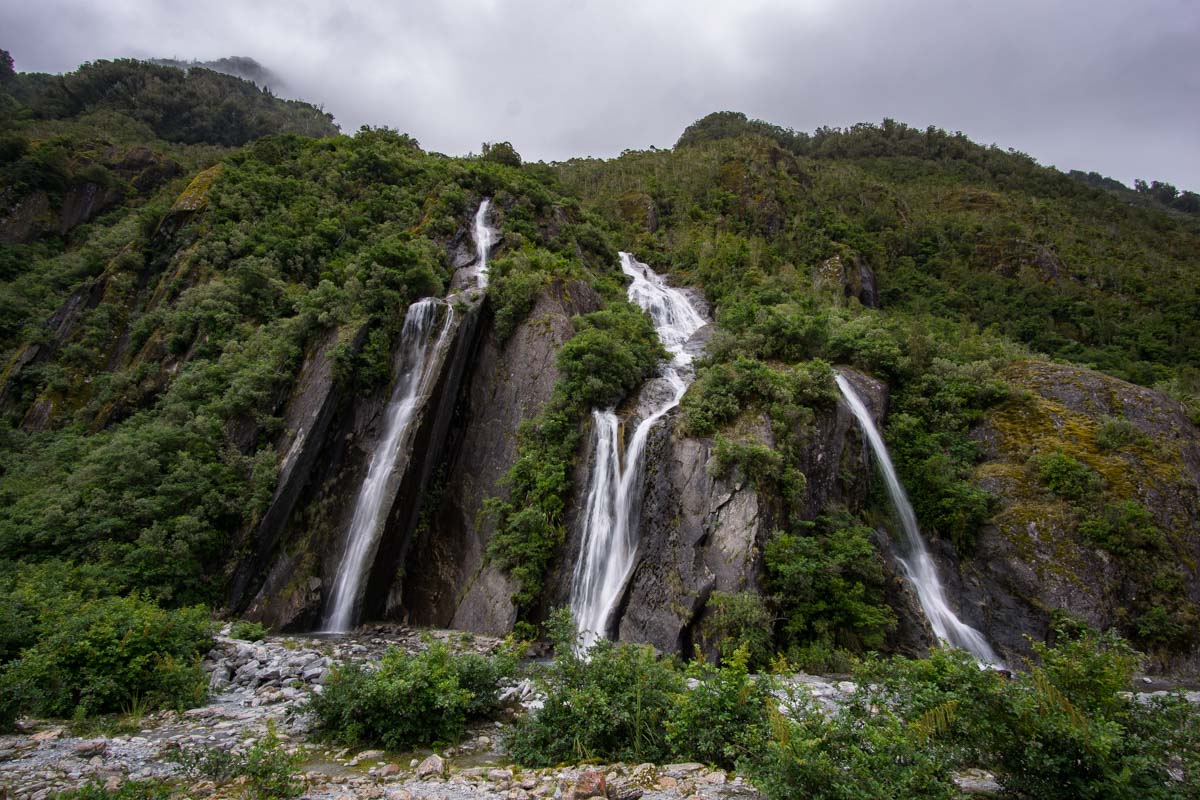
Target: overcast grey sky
pixel 1098 85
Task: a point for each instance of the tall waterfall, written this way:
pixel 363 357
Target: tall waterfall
pixel 610 531
pixel 918 565
pixel 426 327
pixel 484 238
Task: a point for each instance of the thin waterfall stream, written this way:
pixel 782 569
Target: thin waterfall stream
pixel 484 237
pixel 428 325
pixel 918 564
pixel 610 533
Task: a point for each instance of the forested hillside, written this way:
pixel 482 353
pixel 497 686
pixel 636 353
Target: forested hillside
pixel 189 266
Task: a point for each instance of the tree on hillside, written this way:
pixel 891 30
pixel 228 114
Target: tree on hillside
pixel 501 153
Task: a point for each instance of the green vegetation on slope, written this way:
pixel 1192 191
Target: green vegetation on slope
pixel 978 257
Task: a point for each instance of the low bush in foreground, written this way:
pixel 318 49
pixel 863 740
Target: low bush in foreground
pixel 621 702
pixel 1064 726
pixel 130 790
pixel 248 630
pixel 267 770
pixel 610 703
pixel 410 700
pixel 111 655
pixel 724 719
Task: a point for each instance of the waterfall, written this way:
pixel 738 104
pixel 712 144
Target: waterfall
pixel 918 565
pixel 426 327
pixel 484 238
pixel 610 525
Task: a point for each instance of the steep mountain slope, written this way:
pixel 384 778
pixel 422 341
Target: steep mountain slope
pixel 201 328
pixel 977 261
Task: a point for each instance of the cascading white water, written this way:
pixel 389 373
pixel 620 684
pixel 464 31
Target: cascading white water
pixel 426 327
pixel 484 238
pixel 918 565
pixel 610 528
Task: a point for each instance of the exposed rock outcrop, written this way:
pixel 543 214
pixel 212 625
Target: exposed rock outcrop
pixel 1033 558
pixel 300 545
pixel 101 182
pixel 702 532
pixel 856 278
pixel 446 579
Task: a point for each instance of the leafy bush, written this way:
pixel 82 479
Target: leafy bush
pixel 110 654
pixel 827 582
pixel 612 351
pixel 1065 476
pixel 515 280
pixel 1125 529
pixel 410 700
pixel 249 630
pixel 1064 728
pixel 739 621
pixel 853 754
pixel 724 720
pixel 610 703
pixel 1117 433
pixel 129 790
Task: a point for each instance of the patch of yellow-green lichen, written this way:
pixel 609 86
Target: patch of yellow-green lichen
pixel 195 196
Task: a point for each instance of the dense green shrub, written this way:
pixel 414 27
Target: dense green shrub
pixel 1125 529
pixel 1117 433
pixel 853 754
pixel 112 653
pixel 740 620
pixel 249 630
pixel 410 700
pixel 612 352
pixel 1067 727
pixel 827 582
pixel 610 703
pixel 514 282
pixel 724 720
pixel 129 790
pixel 1065 476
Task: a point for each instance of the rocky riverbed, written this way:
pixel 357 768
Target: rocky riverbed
pixel 256 687
pixel 259 688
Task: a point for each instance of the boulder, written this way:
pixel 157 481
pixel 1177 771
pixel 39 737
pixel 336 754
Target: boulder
pixel 591 783
pixel 432 767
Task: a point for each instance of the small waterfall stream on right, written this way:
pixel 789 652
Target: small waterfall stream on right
pixel 918 565
pixel 610 528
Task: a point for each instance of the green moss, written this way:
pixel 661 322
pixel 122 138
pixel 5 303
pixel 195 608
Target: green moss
pixel 195 196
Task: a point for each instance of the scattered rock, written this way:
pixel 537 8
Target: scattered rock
pixel 89 749
pixel 591 783
pixel 976 781
pixel 434 766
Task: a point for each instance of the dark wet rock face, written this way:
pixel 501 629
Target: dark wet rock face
pixel 856 278
pixel 698 534
pixel 702 532
pixel 303 542
pixel 446 579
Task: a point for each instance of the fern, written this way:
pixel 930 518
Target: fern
pixel 935 721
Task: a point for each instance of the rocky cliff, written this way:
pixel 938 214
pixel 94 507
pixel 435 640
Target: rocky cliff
pixel 447 581
pixel 1124 554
